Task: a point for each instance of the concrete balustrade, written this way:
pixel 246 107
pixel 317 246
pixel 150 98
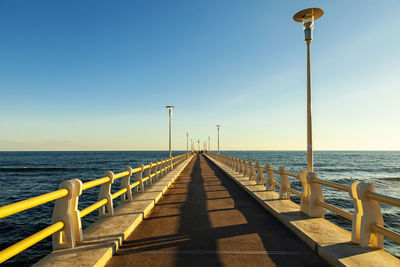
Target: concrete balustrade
pixel 252 170
pixel 285 184
pixel 246 168
pixel 66 229
pixel 367 221
pixel 105 193
pixel 66 210
pixel 260 173
pixel 126 183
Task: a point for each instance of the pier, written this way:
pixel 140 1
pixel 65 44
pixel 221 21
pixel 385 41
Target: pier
pixel 206 209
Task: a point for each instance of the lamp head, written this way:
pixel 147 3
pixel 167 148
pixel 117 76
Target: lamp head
pixel 307 17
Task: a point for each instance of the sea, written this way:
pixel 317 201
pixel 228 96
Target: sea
pixel 28 174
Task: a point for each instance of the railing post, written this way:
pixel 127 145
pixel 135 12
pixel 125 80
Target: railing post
pixel 237 164
pixel 252 170
pixel 285 184
pixel 163 167
pixel 371 215
pixel 305 198
pixel 105 193
pixel 66 210
pixel 246 168
pixel 260 173
pixel 171 163
pixel 270 185
pixel 358 212
pixel 315 210
pixel 126 183
pixel 240 166
pixel 147 173
pixel 156 169
pixel 139 177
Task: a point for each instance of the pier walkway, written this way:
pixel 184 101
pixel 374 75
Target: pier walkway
pixel 206 219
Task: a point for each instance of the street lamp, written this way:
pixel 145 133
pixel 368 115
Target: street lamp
pixel 307 17
pixel 218 126
pixel 198 144
pixel 187 142
pixel 209 144
pixel 170 114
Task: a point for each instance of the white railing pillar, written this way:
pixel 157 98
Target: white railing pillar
pixel 246 168
pixel 305 198
pixel 260 173
pixel 236 164
pixel 315 210
pixel 270 185
pixel 105 193
pixel 139 177
pixel 147 173
pixel 241 166
pixel 285 184
pixel 66 210
pixel 156 169
pixel 252 170
pixel 163 170
pixel 126 183
pixel 371 215
pixel 358 212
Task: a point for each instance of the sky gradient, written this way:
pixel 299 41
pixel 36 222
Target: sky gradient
pixel 97 75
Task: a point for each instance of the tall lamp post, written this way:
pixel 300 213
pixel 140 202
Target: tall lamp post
pixel 187 142
pixel 209 144
pixel 170 114
pixel 307 17
pixel 218 126
pixel 198 144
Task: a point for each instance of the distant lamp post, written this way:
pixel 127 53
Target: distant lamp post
pixel 187 142
pixel 198 144
pixel 170 114
pixel 209 144
pixel 307 17
pixel 218 126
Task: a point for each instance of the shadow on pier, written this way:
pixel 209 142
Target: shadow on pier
pixel 205 219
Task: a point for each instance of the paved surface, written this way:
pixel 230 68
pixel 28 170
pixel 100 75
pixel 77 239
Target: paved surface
pixel 205 219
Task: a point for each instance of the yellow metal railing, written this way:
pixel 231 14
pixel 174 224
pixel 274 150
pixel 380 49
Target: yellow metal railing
pixel 61 193
pixel 244 167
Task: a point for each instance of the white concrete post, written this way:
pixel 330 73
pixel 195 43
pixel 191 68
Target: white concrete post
pixel 371 215
pixel 246 168
pixel 305 198
pixel 315 210
pixel 358 212
pixel 285 184
pixel 126 183
pixel 164 171
pixel 252 170
pixel 260 173
pixel 156 170
pixel 147 173
pixel 270 185
pixel 66 210
pixel 236 164
pixel 139 177
pixel 241 166
pixel 105 193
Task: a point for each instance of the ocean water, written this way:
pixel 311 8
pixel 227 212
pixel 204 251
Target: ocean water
pixel 27 174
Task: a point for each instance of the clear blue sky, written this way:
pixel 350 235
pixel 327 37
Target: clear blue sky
pixel 96 75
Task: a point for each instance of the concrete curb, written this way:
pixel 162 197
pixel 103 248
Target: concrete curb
pixel 329 241
pixel 103 238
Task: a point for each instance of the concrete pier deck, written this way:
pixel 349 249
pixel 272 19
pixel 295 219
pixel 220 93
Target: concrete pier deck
pixel 206 219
